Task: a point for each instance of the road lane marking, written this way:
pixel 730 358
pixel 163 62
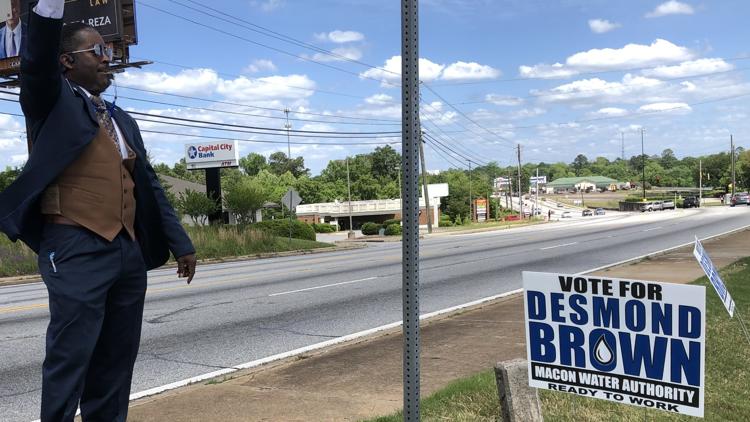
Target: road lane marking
pixel 653 228
pixel 558 246
pixel 23 308
pixel 322 287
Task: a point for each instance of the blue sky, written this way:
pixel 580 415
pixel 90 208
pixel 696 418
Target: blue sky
pixel 557 77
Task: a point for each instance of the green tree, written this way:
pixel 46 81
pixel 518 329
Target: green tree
pixel 668 159
pixel 385 163
pixel 245 198
pixel 8 176
pixel 279 163
pixel 580 163
pixel 253 163
pixel 197 205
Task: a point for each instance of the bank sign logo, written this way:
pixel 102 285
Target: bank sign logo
pixel 193 152
pixel 640 343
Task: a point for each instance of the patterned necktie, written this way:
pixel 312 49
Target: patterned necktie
pixel 105 120
pixel 12 44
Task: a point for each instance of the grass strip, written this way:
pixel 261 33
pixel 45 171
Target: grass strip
pixel 727 386
pixel 210 242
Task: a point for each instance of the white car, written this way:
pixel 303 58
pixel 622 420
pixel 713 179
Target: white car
pixel 566 214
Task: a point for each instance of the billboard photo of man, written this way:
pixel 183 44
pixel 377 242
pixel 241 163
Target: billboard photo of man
pixel 11 33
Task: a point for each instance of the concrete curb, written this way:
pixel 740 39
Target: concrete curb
pixel 35 278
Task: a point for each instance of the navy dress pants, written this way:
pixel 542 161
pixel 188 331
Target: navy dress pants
pixel 96 294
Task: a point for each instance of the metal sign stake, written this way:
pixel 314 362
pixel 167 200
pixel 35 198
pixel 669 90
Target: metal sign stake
pixel 410 211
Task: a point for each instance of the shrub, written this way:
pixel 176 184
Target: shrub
pixel 387 223
pixel 280 228
pixel 197 206
pixel 324 228
pixel 370 228
pixel 458 221
pixel 393 230
pixel 445 221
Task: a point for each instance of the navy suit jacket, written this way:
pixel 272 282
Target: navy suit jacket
pixel 61 120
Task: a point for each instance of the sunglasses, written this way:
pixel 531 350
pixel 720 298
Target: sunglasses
pixel 100 50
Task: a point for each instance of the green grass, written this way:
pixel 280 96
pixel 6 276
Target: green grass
pixel 472 399
pixel 210 243
pixel 492 224
pixel 16 259
pixel 727 387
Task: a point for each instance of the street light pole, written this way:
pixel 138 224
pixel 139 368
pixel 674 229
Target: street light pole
pixel 288 127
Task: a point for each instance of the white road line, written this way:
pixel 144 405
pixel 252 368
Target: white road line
pixel 322 287
pixel 259 362
pixel 653 228
pixel 558 246
pixel 313 347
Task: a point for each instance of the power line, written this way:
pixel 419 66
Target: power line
pixel 466 152
pixel 446 157
pixel 306 113
pixel 278 50
pixel 137 113
pixel 266 141
pixel 277 35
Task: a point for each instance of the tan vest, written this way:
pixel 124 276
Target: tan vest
pixel 96 190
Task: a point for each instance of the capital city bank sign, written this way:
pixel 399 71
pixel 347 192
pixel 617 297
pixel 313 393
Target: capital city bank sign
pixel 636 342
pixel 212 154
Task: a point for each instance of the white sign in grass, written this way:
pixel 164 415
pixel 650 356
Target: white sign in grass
pixel 713 276
pixel 640 343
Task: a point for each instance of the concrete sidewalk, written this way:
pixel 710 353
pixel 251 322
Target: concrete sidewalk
pixel 363 380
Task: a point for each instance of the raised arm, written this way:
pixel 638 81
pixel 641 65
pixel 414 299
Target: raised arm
pixel 41 79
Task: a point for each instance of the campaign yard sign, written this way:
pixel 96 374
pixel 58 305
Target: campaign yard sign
pixel 713 275
pixel 635 342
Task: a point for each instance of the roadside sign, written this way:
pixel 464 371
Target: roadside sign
pixel 713 275
pixel 212 155
pixel 480 205
pixel 291 197
pixel 640 343
pixel 540 180
pixel 502 181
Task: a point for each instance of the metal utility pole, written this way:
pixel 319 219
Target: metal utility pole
pixel 288 127
pixel 623 145
pixel 643 164
pixel 350 235
pixel 734 179
pixel 520 189
pixel 536 192
pixel 424 183
pixel 471 196
pixel 410 134
pixel 700 182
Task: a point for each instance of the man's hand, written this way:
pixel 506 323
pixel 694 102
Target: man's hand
pixel 186 267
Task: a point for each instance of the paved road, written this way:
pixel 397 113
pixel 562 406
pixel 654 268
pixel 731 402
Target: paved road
pixel 239 312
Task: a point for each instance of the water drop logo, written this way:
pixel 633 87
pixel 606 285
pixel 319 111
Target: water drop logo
pixel 192 152
pixel 602 352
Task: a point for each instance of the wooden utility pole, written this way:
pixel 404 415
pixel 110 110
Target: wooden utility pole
pixel 424 183
pixel 700 182
pixel 734 179
pixel 520 188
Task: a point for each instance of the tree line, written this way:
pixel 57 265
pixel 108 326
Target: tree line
pixel 376 175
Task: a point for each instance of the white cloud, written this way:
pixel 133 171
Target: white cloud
pixel 610 111
pixel 187 82
pixel 665 107
pixel 598 90
pixel 341 54
pixel 390 72
pixel 690 68
pixel 672 7
pixel 469 71
pixel 527 113
pixel 630 56
pixel 267 89
pixel 379 99
pixel 267 5
pixel 261 65
pixel 341 37
pixel 600 26
pixel 503 100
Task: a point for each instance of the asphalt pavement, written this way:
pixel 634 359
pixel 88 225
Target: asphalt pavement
pixel 240 312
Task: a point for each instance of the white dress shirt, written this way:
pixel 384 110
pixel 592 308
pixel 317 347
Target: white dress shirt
pixel 12 41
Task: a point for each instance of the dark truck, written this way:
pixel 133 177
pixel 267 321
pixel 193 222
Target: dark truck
pixel 691 202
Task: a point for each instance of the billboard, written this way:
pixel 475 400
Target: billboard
pixel 640 343
pixel 104 15
pixel 212 155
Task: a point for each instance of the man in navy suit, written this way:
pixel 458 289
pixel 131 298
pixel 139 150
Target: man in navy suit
pixel 12 33
pixel 89 203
